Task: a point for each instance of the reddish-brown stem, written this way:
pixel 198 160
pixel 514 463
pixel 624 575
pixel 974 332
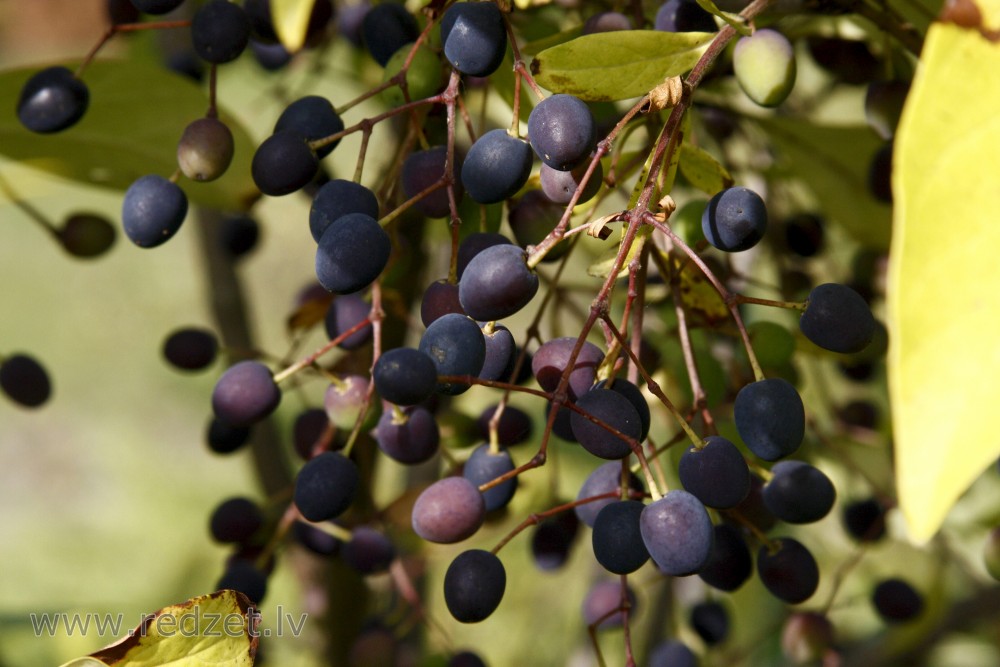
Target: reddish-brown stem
pixel 125 27
pixel 638 311
pixel 791 305
pixel 450 95
pixel 697 391
pixel 519 69
pixel 603 147
pixel 404 585
pixel 693 79
pixel 362 152
pixel 289 517
pixel 535 518
pixel 375 316
pixel 312 358
pixel 515 123
pixel 728 297
pixel 654 387
pixel 626 606
pixel 374 120
pixel 396 212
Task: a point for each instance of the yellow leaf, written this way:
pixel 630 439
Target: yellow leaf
pixel 702 170
pixel 943 304
pixel 216 629
pixel 291 19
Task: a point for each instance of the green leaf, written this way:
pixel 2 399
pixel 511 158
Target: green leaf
pixel 539 45
pixel 702 170
pixel 610 66
pixel 944 365
pixel 291 21
pixel 738 23
pixel 833 163
pixel 137 114
pixel 216 629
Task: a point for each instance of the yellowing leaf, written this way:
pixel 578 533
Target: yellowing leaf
pixel 610 66
pixel 291 19
pixel 216 629
pixel 944 310
pixel 702 170
pixel 699 296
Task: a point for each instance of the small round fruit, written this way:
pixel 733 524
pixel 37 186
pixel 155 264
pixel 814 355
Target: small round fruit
pixel 448 511
pixel 562 131
pixel 352 253
pixel 314 118
pixel 409 437
pixel 421 170
pixel 238 235
pixel 764 64
pixel 683 16
pixel 474 585
pixel 220 31
pixel 52 100
pixel 283 163
pixel 806 637
pixel 497 283
pixel 205 149
pixel 336 198
pixel 325 486
pixel 837 319
pixel 735 219
pixel 404 376
pixel 474 37
pixel 245 394
pixel 896 601
pixel 789 571
pixel 191 348
pixel 456 346
pixel 533 217
pixel 613 409
pixel 385 28
pixel 25 381
pixel 770 418
pixel 484 466
pixel 423 78
pixel 606 22
pixel 497 166
pixel 86 235
pixel 153 210
pixel 677 531
pixel 559 186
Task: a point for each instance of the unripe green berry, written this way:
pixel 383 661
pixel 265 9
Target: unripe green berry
pixel 205 149
pixel 423 79
pixel 764 64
